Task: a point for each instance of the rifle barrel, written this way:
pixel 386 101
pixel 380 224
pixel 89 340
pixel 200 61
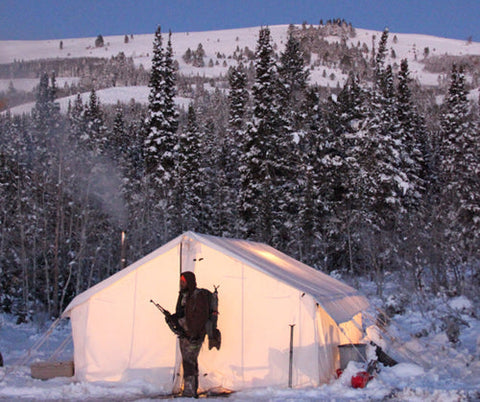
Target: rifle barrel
pixel 165 312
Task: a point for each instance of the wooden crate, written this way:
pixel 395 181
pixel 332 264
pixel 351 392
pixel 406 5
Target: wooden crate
pixel 47 370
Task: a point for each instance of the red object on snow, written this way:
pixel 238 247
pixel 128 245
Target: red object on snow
pixel 361 379
pixel 339 372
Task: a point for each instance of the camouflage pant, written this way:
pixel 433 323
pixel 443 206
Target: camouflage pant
pixel 190 351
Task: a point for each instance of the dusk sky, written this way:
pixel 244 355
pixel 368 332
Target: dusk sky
pixel 58 19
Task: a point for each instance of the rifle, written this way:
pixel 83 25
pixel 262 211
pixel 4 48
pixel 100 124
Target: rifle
pixel 171 321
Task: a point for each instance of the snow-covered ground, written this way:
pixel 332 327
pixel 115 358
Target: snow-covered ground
pixel 430 367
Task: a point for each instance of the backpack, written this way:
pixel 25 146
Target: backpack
pixel 214 335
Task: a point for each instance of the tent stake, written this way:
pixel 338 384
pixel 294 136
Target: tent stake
pixel 290 365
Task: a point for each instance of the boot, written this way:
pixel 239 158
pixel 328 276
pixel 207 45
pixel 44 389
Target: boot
pixel 190 387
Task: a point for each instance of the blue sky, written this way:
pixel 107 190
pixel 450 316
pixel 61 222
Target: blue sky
pixel 58 19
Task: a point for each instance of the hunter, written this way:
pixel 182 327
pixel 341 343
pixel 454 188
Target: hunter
pixel 192 313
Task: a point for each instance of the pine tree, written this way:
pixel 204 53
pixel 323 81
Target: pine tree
pixel 377 150
pixel 118 144
pixel 18 218
pixel 49 168
pixel 418 227
pixel 231 148
pixel 385 182
pixel 379 66
pixel 162 116
pixel 351 108
pixel 292 81
pixel 310 197
pixel 218 213
pixel 169 76
pixel 161 139
pixel 95 129
pixel 258 164
pixel 198 56
pixel 293 77
pixel 45 113
pixel 339 167
pixel 188 177
pixel 155 139
pixel 99 42
pixel 238 98
pixel 412 132
pixel 76 119
pixel 459 168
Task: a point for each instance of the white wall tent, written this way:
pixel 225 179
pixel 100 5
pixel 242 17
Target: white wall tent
pixel 119 335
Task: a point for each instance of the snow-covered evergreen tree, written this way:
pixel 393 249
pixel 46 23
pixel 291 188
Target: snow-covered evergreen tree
pixel 162 116
pixel 378 176
pixel 412 132
pixel 460 168
pixel 293 77
pixel 118 145
pixel 264 174
pixel 218 214
pixel 169 75
pixel 310 198
pixel 418 239
pixel 232 146
pixel 237 97
pixel 379 68
pixel 187 200
pixel 76 119
pixel 161 138
pixel 385 183
pixel 95 130
pixel 18 220
pixel 350 106
pixel 339 166
pixel 51 166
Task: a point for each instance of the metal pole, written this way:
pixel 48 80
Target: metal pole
pixel 290 366
pixel 180 265
pixel 122 250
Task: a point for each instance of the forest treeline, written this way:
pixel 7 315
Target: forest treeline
pixel 362 181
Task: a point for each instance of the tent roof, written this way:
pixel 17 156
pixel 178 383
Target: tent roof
pixel 339 300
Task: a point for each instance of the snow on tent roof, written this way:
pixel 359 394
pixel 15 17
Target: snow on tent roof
pixel 339 300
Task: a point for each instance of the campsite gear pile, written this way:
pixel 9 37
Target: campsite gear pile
pixel 361 378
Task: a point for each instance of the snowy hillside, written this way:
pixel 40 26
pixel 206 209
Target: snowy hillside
pixel 108 96
pixel 226 42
